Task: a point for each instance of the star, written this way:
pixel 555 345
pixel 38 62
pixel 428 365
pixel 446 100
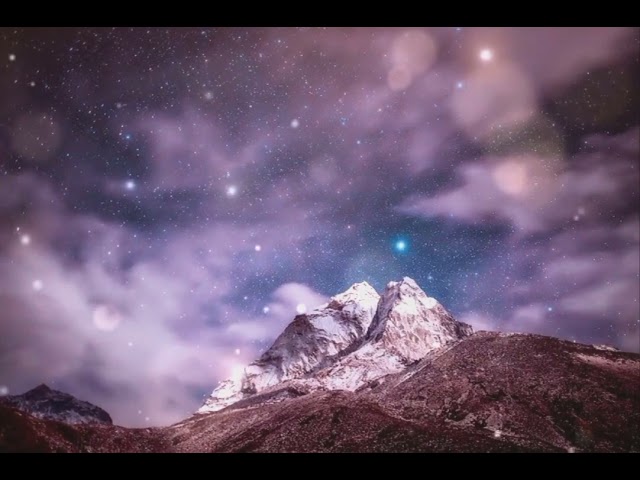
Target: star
pixel 295 123
pixel 232 190
pixel 25 239
pixel 12 57
pixel 400 246
pixel 130 185
pixel 257 248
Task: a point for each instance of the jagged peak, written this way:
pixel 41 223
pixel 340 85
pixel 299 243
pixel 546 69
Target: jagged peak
pixel 410 323
pixel 405 286
pixel 405 281
pixel 356 292
pixel 405 291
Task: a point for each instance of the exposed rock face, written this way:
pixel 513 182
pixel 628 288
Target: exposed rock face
pixel 43 402
pixel 304 345
pixel 410 324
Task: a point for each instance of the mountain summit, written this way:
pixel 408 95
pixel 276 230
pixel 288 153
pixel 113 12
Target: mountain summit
pixel 410 324
pixel 357 337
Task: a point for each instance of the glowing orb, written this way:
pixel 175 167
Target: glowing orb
pixel 37 285
pixel 232 190
pixel 295 123
pixel 25 239
pixel 486 55
pixel 301 308
pixel 511 177
pixel 257 248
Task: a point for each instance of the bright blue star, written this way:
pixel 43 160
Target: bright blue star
pixel 400 246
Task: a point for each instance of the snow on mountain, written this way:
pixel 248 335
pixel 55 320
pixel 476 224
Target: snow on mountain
pixel 354 339
pixel 307 343
pixel 408 324
pixel 43 402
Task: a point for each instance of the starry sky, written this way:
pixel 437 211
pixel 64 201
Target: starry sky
pixel 171 197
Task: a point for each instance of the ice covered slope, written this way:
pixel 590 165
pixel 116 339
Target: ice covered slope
pixel 306 344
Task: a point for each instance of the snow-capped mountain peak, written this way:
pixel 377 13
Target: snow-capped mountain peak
pixel 306 344
pixel 358 293
pixel 410 323
pixel 356 337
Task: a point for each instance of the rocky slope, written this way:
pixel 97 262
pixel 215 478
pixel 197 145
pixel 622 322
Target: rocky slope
pixel 488 392
pixel 22 432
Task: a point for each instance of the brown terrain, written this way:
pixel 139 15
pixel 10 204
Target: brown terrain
pixel 489 392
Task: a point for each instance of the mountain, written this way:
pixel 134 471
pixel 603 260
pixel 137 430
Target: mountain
pixel 305 345
pixel 355 338
pixel 389 373
pixel 43 402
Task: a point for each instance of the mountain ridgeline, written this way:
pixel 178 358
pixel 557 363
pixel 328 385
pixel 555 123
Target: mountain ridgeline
pixel 380 373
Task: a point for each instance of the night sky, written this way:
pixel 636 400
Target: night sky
pixel 170 197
